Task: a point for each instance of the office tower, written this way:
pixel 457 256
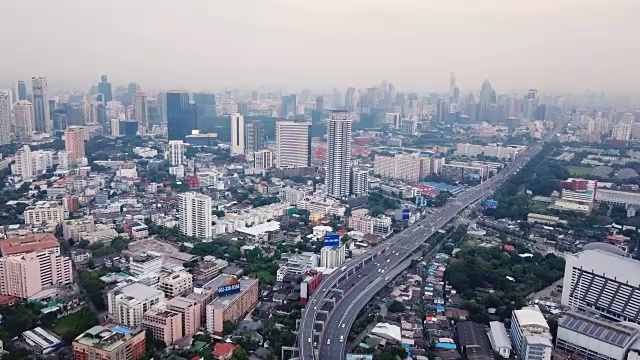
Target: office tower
pixel 75 114
pixel 486 93
pixel 74 143
pixel 153 113
pixel 115 127
pixel 602 281
pixel 456 95
pixel 32 263
pixel 195 215
pixel 441 110
pixel 175 152
pixel 237 135
pixel 161 101
pixel 254 133
pixel 359 181
pixel 289 106
pixel 205 104
pixel 336 101
pixel 263 159
pixel 59 117
pixel 140 111
pixel 338 154
pixel 24 119
pixel 41 104
pixel 22 90
pixel 5 117
pixel 452 84
pixel 104 88
pixel 530 334
pixel 293 144
pixel 181 115
pixel 320 103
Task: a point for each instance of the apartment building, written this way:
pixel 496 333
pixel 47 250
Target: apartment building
pixel 176 284
pixel 407 167
pixel 232 305
pixel 128 303
pixel 190 311
pixel 71 229
pixel 144 264
pixel 32 263
pixel 361 221
pixel 165 325
pixel 44 212
pixel 109 343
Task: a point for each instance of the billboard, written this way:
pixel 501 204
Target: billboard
pixel 359 357
pixel 332 239
pixel 491 204
pixel 406 213
pixel 229 289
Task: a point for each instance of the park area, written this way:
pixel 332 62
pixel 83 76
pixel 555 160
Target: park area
pixel 578 171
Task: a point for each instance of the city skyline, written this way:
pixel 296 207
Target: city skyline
pixel 501 41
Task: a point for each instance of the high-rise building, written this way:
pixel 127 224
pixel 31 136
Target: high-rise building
pixel 195 215
pixel 338 154
pixel 320 103
pixel 486 94
pixel 237 134
pixel 289 106
pixel 104 88
pixel 293 144
pixel 234 305
pixel 593 285
pixel 254 134
pixel 175 152
pixel 190 311
pixel 332 257
pixel 165 325
pixel 24 119
pixel 452 84
pixel 41 104
pixel 76 114
pixel 181 115
pixel 5 118
pixel 24 163
pixel 140 110
pixel 205 104
pixel 22 90
pixel 359 181
pixel 31 263
pixel 127 303
pixel 176 284
pixel 263 159
pixel 161 101
pixel 74 143
pixel 116 343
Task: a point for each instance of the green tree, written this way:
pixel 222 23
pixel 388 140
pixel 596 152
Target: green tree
pixel 228 327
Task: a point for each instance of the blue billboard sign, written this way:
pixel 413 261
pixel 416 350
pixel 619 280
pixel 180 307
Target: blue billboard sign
pixel 406 213
pixel 491 204
pixel 230 289
pixel 332 239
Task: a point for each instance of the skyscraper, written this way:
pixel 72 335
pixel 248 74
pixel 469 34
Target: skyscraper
pixel 162 107
pixel 237 134
pixel 195 215
pixel 254 134
pixel 289 106
pixel 22 90
pixel 74 143
pixel 293 144
pixel 41 104
pixel 75 114
pixel 350 101
pixel 140 110
pixel 205 104
pixel 175 152
pixel 486 94
pixel 24 119
pixel 338 154
pixel 104 88
pixel 5 117
pixel 320 103
pixel 181 116
pixel 452 84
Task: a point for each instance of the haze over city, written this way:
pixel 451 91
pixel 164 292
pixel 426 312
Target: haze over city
pixel 558 46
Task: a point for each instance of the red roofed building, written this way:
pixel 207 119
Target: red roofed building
pixel 29 243
pixel 223 351
pixel 509 247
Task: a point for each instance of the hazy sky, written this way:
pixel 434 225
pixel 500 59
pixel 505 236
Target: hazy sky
pixel 553 45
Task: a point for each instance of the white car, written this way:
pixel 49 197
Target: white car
pixel 309 341
pixel 328 341
pixel 343 325
pixel 341 338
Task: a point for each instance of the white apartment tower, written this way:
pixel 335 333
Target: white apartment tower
pixel 237 134
pixel 24 119
pixel 359 181
pixel 175 152
pixel 195 215
pixel 24 163
pixel 263 159
pixel 43 122
pixel 293 144
pixel 338 154
pixel 5 117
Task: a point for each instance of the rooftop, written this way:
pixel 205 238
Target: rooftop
pixel 139 291
pixel 615 333
pixel 29 243
pixel 599 261
pixel 530 316
pixel 223 302
pixel 104 338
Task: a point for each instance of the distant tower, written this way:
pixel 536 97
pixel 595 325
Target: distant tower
pixel 104 88
pixel 338 154
pixel 293 144
pixel 24 119
pixel 140 110
pixel 486 94
pixel 181 115
pixel 5 117
pixel 254 133
pixel 237 134
pixel 22 90
pixel 41 104
pixel 74 143
pixel 452 84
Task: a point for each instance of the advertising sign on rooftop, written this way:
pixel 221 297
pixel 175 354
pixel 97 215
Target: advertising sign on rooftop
pixel 332 239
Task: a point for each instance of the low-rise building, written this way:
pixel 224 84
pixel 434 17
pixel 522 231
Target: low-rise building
pixel 140 265
pixel 499 339
pixel 530 334
pixel 176 284
pixel 115 343
pixel 71 229
pixel 361 221
pixel 235 300
pixel 128 303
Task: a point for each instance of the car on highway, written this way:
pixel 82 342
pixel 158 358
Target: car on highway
pixel 341 338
